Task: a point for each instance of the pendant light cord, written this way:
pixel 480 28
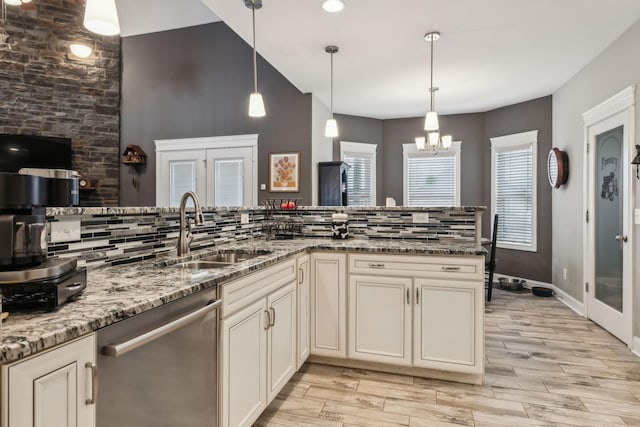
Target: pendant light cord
pixel 331 85
pixel 431 87
pixel 255 71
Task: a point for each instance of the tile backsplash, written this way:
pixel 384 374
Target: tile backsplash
pixel 112 236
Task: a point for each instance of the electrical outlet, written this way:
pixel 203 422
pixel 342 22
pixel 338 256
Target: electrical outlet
pixel 564 274
pixel 244 218
pixel 64 231
pixel 420 218
pixel 636 216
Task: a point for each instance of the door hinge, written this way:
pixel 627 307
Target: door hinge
pixel 587 217
pixel 587 287
pixel 588 148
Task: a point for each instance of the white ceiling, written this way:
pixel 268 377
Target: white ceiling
pixel 492 52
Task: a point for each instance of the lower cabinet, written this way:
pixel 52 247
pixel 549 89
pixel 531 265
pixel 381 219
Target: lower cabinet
pixel 258 344
pixel 329 304
pixel 304 308
pixel 52 389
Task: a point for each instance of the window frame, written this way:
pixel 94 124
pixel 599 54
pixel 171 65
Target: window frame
pixel 509 143
pixel 410 150
pixel 364 148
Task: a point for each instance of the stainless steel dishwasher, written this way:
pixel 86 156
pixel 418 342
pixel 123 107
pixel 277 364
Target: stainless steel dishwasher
pixel 159 368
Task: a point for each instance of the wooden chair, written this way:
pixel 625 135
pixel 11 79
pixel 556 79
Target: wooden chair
pixel 490 264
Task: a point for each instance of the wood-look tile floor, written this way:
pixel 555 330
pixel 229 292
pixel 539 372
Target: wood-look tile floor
pixel 545 366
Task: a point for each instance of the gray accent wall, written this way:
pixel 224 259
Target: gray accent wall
pixel 195 82
pixel 616 68
pixel 526 116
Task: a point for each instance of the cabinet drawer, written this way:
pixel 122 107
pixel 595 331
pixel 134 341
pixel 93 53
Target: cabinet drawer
pixel 466 268
pixel 246 290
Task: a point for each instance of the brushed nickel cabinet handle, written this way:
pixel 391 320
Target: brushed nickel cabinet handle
pixel 376 265
pixel 94 383
pixel 417 296
pixel 273 320
pixel 449 268
pixel 301 275
pixel 408 296
pixel 268 324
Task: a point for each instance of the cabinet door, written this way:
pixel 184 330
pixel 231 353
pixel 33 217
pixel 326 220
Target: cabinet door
pixel 51 389
pixel 448 325
pixel 303 310
pixel 380 311
pixel 243 362
pixel 328 305
pixel 281 339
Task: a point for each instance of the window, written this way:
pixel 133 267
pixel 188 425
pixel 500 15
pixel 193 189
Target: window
pixel 361 177
pixel 431 180
pixel 221 170
pixel 513 189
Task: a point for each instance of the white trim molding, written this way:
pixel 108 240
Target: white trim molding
pixel 617 103
pixel 636 346
pixel 509 142
pixel 203 143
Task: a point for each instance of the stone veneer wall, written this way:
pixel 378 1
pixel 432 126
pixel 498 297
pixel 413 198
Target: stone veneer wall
pixel 45 90
pixel 112 236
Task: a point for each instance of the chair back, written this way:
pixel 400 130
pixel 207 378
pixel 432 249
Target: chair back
pixel 494 239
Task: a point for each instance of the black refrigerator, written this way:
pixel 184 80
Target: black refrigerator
pixel 332 183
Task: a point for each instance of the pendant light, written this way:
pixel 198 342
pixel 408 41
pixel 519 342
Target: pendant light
pixel 431 119
pixel 101 17
pixel 431 122
pixel 256 104
pixel 331 129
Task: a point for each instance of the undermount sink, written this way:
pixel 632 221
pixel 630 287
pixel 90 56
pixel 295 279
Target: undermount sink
pixel 222 259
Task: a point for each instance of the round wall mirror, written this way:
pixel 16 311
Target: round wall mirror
pixel 557 167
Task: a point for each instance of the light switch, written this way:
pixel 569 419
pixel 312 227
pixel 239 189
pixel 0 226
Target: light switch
pixel 421 218
pixel 244 218
pixel 65 231
pixel 636 216
pixel 263 187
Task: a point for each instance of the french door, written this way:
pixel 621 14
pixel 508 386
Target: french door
pixel 608 255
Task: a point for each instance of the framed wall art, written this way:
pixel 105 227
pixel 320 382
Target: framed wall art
pixel 284 172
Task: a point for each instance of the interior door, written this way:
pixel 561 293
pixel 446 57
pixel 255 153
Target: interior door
pixel 179 172
pixel 609 255
pixel 230 177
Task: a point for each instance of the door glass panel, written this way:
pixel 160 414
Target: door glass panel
pixel 228 182
pixel 182 178
pixel 608 218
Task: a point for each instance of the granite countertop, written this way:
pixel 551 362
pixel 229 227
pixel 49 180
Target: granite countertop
pixel 117 293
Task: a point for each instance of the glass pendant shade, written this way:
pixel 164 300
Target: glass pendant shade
pixel 101 17
pixel 434 137
pixel 431 121
pixel 13 2
pixel 80 50
pixel 256 105
pixel 331 129
pixel 420 141
pixel 446 141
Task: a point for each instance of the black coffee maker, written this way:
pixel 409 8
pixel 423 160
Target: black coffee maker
pixel 27 278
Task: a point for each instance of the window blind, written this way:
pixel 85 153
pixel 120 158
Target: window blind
pixel 360 179
pixel 182 178
pixel 514 195
pixel 229 182
pixel 431 180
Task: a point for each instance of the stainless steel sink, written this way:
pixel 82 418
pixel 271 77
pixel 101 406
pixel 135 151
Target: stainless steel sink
pixel 221 260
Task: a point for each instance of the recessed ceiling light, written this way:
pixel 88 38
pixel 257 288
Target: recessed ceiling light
pixel 333 5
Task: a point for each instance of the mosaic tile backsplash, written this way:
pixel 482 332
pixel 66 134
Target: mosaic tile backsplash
pixel 113 236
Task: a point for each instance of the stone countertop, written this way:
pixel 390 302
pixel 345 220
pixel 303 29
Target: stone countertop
pixel 117 293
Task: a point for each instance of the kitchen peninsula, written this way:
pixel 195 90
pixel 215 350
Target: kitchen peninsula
pixel 399 303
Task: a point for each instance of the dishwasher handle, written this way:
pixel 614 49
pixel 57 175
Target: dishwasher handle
pixel 115 350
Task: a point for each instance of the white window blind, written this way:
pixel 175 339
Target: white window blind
pixel 228 182
pixel 361 177
pixel 182 178
pixel 431 180
pixel 514 194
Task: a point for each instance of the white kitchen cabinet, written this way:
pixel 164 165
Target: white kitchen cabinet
pixel 244 364
pixel 446 327
pixel 258 342
pixel 52 389
pixel 328 305
pixel 281 338
pixel 380 311
pixel 303 310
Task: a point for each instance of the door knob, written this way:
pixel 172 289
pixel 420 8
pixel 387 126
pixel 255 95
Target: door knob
pixel 622 238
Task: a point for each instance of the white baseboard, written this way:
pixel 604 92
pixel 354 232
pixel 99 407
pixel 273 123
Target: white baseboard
pixel 635 346
pixel 561 295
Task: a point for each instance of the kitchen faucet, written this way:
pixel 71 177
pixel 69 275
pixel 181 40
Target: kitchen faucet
pixel 185 237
